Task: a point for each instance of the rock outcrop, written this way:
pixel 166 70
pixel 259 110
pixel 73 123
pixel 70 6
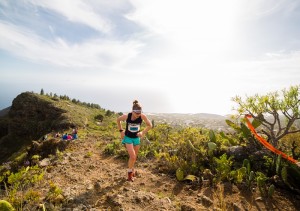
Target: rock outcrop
pixel 30 117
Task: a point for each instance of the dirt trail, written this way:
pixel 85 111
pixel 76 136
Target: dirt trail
pixel 91 181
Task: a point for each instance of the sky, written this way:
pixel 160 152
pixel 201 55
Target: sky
pixel 173 56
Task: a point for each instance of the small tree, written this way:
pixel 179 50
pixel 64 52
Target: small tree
pixel 42 92
pixel 269 110
pixel 109 113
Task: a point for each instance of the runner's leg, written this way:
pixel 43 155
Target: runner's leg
pixel 136 150
pixel 132 155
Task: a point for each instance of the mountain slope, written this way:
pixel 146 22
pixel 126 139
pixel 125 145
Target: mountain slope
pixel 91 180
pixel 82 176
pixel 4 111
pixel 32 116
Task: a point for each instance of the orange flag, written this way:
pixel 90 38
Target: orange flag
pixel 267 144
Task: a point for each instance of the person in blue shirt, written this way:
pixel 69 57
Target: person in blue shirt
pixel 65 136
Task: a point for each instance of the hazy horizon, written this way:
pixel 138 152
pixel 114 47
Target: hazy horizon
pixel 124 111
pixel 173 56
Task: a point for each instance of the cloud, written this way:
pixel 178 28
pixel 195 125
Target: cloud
pixel 256 10
pixel 96 53
pixel 186 34
pixel 196 52
pixel 30 42
pixel 77 11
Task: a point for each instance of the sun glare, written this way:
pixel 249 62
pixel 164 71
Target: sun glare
pixel 199 37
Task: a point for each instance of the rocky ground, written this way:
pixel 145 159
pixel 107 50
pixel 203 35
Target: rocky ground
pixel 90 180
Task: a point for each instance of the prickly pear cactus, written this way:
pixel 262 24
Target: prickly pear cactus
pixel 256 123
pixel 211 145
pixel 6 206
pixel 212 136
pixel 233 125
pixel 246 132
pixel 291 177
pixel 179 174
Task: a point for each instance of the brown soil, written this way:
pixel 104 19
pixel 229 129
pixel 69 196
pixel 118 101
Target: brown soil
pixel 92 181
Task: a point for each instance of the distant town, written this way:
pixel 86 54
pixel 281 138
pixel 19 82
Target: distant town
pixel 204 120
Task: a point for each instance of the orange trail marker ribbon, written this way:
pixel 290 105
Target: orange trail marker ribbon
pixel 267 144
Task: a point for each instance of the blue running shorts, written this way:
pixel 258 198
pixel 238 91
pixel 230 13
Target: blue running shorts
pixel 134 141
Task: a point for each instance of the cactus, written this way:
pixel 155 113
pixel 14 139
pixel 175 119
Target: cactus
pixel 233 125
pixel 241 173
pixel 6 206
pixel 271 191
pixel 284 175
pixel 245 130
pixel 211 146
pixel 246 164
pixel 223 166
pixel 231 141
pixel 250 178
pixel 256 123
pixel 212 136
pixel 278 164
pixel 291 177
pixel 179 174
pixel 261 183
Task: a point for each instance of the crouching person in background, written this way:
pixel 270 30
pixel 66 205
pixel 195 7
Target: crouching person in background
pixel 74 133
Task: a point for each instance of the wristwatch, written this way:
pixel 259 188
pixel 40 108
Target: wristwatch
pixel 121 130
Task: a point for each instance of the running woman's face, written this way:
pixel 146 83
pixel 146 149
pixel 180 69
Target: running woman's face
pixel 137 113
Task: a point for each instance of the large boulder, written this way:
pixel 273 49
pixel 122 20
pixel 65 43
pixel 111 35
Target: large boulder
pixel 32 116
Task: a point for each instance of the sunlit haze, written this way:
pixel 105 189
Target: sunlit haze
pixel 188 56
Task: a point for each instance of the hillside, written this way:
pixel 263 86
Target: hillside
pixel 32 116
pixel 90 173
pixel 4 112
pixel 91 180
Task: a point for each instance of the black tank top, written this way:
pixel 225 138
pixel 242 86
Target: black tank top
pixel 132 126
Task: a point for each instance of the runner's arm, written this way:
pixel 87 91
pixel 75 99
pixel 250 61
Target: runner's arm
pixel 119 120
pixel 148 124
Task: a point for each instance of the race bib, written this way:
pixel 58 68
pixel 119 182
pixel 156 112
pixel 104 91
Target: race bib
pixel 134 128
